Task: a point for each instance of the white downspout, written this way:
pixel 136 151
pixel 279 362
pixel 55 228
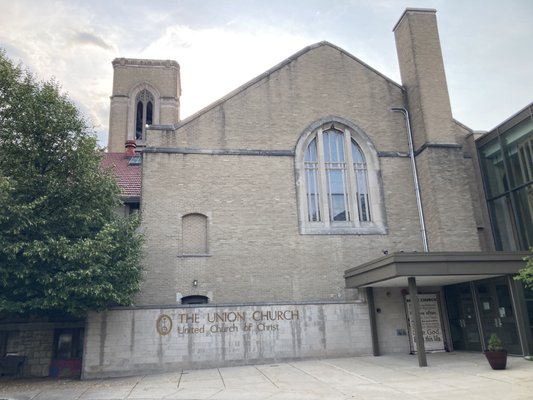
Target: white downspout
pixel 415 177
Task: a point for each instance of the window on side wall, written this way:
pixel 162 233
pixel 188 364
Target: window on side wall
pixel 339 191
pixel 9 343
pixel 68 343
pixel 194 235
pixel 195 299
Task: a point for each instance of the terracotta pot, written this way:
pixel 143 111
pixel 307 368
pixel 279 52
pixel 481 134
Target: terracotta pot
pixel 497 359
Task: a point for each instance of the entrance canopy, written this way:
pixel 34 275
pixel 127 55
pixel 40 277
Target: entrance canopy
pixel 433 269
pixel 413 270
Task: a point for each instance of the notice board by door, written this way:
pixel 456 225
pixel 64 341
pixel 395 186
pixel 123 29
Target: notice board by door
pixel 431 322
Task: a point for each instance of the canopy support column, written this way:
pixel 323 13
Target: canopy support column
pixel 373 323
pixel 419 335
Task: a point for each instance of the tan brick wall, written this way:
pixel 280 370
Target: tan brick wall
pixel 256 251
pixel 118 125
pixel 273 112
pixel 447 203
pixel 194 234
pixel 477 193
pixel 422 72
pixel 165 78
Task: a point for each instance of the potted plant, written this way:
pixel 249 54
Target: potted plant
pixel 496 354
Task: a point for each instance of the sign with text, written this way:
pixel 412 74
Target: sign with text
pixel 133 341
pixel 191 323
pixel 431 322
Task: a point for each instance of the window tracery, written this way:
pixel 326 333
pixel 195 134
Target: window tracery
pixel 144 113
pixel 335 191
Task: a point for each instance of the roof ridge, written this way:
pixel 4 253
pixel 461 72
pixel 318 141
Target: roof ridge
pixel 262 76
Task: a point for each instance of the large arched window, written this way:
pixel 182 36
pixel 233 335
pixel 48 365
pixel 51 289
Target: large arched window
pixel 334 184
pixel 144 113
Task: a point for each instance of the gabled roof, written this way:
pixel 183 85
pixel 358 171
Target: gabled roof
pixel 264 75
pixel 128 176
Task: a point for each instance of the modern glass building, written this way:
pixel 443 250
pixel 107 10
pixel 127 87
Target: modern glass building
pixel 506 157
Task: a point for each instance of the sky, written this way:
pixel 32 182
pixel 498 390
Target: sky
pixel 222 44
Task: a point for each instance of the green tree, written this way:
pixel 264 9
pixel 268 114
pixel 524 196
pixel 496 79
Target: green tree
pixel 526 274
pixel 62 247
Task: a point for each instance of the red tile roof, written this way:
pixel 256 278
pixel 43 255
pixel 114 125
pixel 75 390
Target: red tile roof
pixel 128 176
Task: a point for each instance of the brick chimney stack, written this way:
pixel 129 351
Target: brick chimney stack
pixel 423 76
pixel 441 165
pixel 130 148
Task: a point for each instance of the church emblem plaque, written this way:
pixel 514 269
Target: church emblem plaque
pixel 163 325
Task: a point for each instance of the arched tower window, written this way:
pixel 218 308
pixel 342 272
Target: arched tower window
pixel 144 113
pixel 339 191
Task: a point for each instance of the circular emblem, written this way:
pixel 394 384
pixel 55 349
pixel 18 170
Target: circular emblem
pixel 163 324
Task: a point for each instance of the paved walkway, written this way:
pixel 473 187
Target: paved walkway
pixel 449 376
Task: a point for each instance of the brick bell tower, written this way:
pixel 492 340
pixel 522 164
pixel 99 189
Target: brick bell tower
pixel 145 92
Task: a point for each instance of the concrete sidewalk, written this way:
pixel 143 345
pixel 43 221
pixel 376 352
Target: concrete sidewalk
pixel 397 377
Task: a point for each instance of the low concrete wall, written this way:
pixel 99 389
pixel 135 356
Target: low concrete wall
pixel 122 342
pixel 391 321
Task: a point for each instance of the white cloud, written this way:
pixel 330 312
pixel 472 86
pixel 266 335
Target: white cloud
pixel 221 45
pixel 215 61
pixel 59 41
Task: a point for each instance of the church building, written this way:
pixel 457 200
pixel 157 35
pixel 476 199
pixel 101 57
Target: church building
pixel 319 210
pixel 296 216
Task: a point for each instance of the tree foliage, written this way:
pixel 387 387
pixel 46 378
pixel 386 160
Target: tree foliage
pixel 62 246
pixel 526 274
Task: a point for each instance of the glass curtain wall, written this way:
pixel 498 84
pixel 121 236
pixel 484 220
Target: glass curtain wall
pixel 507 166
pixel 506 160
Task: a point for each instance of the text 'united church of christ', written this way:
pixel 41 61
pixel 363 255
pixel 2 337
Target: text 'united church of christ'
pixel 221 322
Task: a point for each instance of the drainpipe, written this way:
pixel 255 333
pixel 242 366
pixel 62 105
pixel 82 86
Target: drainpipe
pixel 415 177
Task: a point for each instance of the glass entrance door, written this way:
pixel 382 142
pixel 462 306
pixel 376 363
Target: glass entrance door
pixel 462 317
pixel 497 312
